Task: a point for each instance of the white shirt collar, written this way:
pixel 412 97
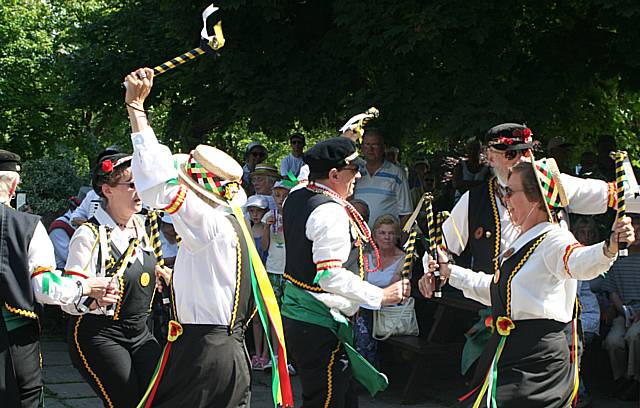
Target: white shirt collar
pixel 527 236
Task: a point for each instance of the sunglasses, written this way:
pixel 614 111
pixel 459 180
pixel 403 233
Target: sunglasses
pixel 297 142
pixel 258 154
pixel 131 184
pixel 508 192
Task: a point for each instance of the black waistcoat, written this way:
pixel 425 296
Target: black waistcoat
pixel 16 232
pixel 483 227
pixel 299 267
pixel 244 303
pixel 137 282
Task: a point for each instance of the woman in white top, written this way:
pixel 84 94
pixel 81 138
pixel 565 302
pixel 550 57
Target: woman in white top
pixel 386 232
pixel 532 295
pixel 112 346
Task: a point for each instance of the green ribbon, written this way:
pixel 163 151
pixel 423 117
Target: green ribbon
pixel 46 277
pixel 299 304
pixel 293 180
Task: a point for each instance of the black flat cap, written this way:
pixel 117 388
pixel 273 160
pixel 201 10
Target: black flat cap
pixel 509 136
pixel 9 161
pixel 336 152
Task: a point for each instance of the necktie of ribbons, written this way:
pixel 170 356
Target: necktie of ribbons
pixel 619 157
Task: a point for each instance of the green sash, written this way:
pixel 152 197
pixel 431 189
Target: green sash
pixel 298 304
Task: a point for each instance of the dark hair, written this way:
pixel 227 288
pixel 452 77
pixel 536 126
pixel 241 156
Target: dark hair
pixel 529 182
pixel 363 203
pixel 110 177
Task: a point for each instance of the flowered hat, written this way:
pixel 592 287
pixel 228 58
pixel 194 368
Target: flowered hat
pixel 550 184
pixel 104 170
pixel 509 136
pixel 213 175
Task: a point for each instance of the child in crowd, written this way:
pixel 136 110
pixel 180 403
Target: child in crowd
pixel 257 206
pixel 273 241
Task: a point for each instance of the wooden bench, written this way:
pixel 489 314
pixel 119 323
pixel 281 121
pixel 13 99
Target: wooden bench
pixel 436 341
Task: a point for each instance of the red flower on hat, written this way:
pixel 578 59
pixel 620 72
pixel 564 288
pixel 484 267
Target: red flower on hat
pixel 527 135
pixel 107 166
pixel 505 140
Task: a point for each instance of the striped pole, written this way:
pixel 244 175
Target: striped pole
pixel 211 46
pixel 441 218
pixel 408 258
pixel 157 251
pixel 431 227
pixel 619 157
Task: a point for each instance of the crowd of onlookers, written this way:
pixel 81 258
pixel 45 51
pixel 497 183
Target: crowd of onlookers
pixel 386 194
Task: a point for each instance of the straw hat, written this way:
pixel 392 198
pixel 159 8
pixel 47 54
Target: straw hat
pixel 213 175
pixel 550 184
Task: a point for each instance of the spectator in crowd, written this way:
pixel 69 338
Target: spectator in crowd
pixel 257 206
pixel 423 180
pixel 255 154
pixel 273 243
pixel 588 163
pixel 263 177
pixel 392 155
pixel 560 149
pixel 383 185
pixel 61 230
pixel 585 230
pixel 623 341
pixel 28 278
pixel 386 233
pixel 293 161
pixel 470 170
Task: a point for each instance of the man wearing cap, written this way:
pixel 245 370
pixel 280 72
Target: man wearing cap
pixel 293 161
pixel 320 294
pixel 27 278
pixel 206 363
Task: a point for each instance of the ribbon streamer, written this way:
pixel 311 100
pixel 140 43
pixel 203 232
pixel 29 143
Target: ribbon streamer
pixel 208 44
pixel 619 157
pixel 358 122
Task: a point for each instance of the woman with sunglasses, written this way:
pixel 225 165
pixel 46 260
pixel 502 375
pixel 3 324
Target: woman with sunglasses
pixel 112 346
pixel 532 295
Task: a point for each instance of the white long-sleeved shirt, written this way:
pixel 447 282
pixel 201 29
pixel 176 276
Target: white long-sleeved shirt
pixel 329 228
pixel 53 290
pixel 545 287
pixel 204 274
pixel 586 196
pixel 82 262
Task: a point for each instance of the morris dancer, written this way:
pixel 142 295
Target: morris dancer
pixel 480 220
pixel 532 295
pixel 27 279
pixel 205 362
pixel 320 228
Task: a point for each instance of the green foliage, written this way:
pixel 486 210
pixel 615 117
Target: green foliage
pixel 50 181
pixel 438 70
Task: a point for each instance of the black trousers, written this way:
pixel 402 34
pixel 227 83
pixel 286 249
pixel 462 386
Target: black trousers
pixel 206 367
pixel 322 365
pixel 117 358
pixel 24 346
